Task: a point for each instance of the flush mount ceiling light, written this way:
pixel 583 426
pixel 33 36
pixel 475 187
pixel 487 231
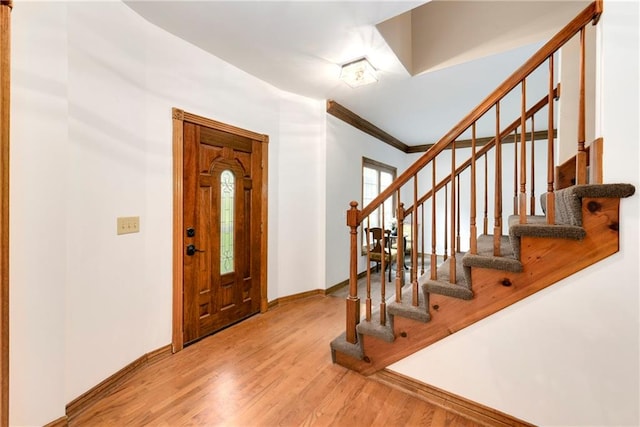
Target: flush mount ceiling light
pixel 358 73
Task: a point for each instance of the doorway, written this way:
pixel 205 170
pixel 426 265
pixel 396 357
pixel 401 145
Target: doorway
pixel 220 239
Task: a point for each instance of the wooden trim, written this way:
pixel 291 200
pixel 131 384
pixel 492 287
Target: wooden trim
pixel 365 126
pixel 214 124
pixel 179 117
pixel 60 422
pixel 5 107
pixel 283 300
pixel 596 148
pixel 566 174
pixel 345 282
pixel 451 402
pixel 177 338
pixel 264 222
pixel 374 164
pixel 104 388
pixel 466 143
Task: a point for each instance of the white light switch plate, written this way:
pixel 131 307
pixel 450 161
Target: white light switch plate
pixel 128 224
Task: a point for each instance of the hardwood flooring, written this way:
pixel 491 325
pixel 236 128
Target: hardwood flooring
pixel 272 369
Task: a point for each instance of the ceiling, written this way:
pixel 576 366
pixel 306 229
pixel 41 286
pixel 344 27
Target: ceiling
pixel 435 60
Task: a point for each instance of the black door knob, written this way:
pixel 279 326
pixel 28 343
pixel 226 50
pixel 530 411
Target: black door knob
pixel 191 250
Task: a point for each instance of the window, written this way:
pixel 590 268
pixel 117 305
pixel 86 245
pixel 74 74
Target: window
pixel 376 177
pixel 227 193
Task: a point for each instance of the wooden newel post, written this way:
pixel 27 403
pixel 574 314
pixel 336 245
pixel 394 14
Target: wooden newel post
pixel 353 302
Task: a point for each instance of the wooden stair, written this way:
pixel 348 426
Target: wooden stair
pixel 580 226
pixel 543 256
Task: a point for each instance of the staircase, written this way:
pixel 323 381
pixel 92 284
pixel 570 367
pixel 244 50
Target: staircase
pixel 578 225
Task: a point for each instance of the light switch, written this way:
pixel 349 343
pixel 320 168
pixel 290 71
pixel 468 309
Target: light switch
pixel 128 224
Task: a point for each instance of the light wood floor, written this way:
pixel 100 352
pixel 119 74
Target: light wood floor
pixel 273 369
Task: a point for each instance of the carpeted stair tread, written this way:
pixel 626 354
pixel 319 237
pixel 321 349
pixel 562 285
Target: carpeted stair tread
pixel 485 246
pixel 568 201
pixel 485 258
pixel 531 219
pixel 407 309
pixel 571 232
pixel 537 226
pixel 375 329
pixel 443 286
pixel 341 344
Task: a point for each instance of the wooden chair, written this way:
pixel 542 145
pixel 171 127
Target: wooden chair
pixel 408 239
pixel 376 252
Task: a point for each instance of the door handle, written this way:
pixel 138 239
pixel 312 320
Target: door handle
pixel 191 250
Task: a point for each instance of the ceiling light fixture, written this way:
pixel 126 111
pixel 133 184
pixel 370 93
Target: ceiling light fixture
pixel 358 73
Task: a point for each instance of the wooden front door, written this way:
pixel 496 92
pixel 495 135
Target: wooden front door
pixel 222 201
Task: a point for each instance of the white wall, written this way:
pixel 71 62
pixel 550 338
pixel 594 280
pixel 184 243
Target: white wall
pixel 569 354
pixel 299 220
pixel 93 88
pixel 38 217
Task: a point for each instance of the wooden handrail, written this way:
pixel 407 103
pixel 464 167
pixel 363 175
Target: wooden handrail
pixel 590 13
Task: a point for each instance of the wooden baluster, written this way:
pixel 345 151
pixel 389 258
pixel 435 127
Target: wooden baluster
pixel 522 205
pixel 532 200
pixel 400 250
pixel 414 254
pixel 446 224
pixel 497 228
pixel 458 214
pixel 415 244
pixel 581 156
pixel 452 258
pixel 473 233
pixel 550 196
pixel 515 171
pixel 383 266
pixel 368 299
pixel 353 302
pixel 485 221
pixel 434 256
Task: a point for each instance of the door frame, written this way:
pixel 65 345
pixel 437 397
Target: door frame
pixel 179 117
